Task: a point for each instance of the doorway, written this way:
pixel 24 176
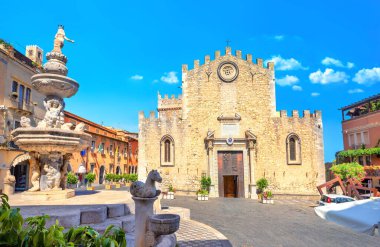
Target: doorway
pixel 231 173
pixel 230 186
pixel 101 175
pixel 21 172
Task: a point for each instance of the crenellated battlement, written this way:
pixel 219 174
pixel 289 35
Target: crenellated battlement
pixel 305 114
pixel 228 52
pixel 172 103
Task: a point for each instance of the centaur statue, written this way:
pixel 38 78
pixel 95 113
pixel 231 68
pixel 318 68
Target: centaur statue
pixel 147 189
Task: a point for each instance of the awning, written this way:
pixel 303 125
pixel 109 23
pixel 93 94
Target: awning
pixel 20 158
pixel 81 169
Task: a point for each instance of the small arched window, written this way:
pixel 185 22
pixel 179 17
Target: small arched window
pixel 293 149
pixel 167 151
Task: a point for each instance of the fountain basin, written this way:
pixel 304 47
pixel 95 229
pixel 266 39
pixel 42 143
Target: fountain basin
pixel 163 224
pixel 55 84
pixel 46 140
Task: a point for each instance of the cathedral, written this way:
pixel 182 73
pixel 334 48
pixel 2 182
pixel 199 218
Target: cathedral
pixel 225 125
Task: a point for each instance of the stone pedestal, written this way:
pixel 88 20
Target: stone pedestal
pixel 143 209
pixel 9 188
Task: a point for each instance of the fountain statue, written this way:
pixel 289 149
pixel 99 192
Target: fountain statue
pixel 51 142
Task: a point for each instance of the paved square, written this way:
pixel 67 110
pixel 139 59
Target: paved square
pixel 249 223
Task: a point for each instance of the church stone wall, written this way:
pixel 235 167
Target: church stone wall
pixel 230 109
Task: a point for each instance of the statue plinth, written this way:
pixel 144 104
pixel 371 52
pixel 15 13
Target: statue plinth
pixel 143 209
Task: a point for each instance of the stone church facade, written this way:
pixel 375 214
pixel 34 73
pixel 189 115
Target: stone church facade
pixel 225 125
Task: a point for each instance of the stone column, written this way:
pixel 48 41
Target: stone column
pixel 252 164
pixel 143 209
pixel 211 173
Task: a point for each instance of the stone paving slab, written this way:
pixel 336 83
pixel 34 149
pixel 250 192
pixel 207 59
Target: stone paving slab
pixel 193 234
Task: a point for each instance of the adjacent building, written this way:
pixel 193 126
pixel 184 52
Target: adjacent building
pixel 17 99
pixel 111 151
pixel 226 125
pixel 361 129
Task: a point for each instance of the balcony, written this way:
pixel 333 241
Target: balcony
pixel 372 171
pixel 23 107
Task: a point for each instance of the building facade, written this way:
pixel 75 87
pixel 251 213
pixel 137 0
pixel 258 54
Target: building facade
pixel 17 99
pixel 225 125
pixel 361 129
pixel 111 151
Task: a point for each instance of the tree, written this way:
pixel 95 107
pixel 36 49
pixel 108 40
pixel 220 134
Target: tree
pixel 348 170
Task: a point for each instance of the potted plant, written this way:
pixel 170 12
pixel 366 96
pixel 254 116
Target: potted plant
pixel 72 180
pixel 126 179
pixel 170 194
pixel 261 184
pixel 118 178
pixel 90 179
pixel 202 194
pixel 109 178
pixel 267 197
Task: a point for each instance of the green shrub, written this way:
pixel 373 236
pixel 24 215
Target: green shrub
pixel 262 184
pixel 35 232
pixel 133 177
pixel 202 192
pixel 205 183
pixel 349 170
pixel 90 178
pixel 171 189
pixel 109 177
pixel 72 178
pixel 126 177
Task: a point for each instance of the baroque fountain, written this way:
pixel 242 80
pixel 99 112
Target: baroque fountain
pixel 52 142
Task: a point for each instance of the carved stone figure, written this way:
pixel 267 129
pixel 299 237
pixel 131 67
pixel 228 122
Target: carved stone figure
pixel 9 183
pixel 25 122
pixel 67 126
pixel 36 173
pixel 9 178
pixel 59 39
pixel 66 162
pixel 53 171
pixel 53 116
pixel 80 127
pixel 147 189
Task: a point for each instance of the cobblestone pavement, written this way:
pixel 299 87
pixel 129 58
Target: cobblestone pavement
pixel 193 234
pixel 287 223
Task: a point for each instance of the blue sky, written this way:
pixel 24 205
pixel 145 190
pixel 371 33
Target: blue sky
pixel 327 52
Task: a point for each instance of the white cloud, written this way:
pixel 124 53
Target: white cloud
pixel 288 80
pixel 350 65
pixel 329 61
pixel 297 88
pixel 137 77
pixel 170 77
pixel 285 64
pixel 155 81
pixel 367 76
pixel 315 94
pixel 328 76
pixel 279 37
pixel 356 90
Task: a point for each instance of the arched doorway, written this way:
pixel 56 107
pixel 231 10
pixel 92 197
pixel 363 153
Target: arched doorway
pixel 118 170
pixel 21 173
pixel 101 175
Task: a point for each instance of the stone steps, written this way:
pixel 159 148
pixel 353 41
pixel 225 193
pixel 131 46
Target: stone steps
pixel 99 216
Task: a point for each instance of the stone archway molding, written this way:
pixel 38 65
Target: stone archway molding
pixel 20 158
